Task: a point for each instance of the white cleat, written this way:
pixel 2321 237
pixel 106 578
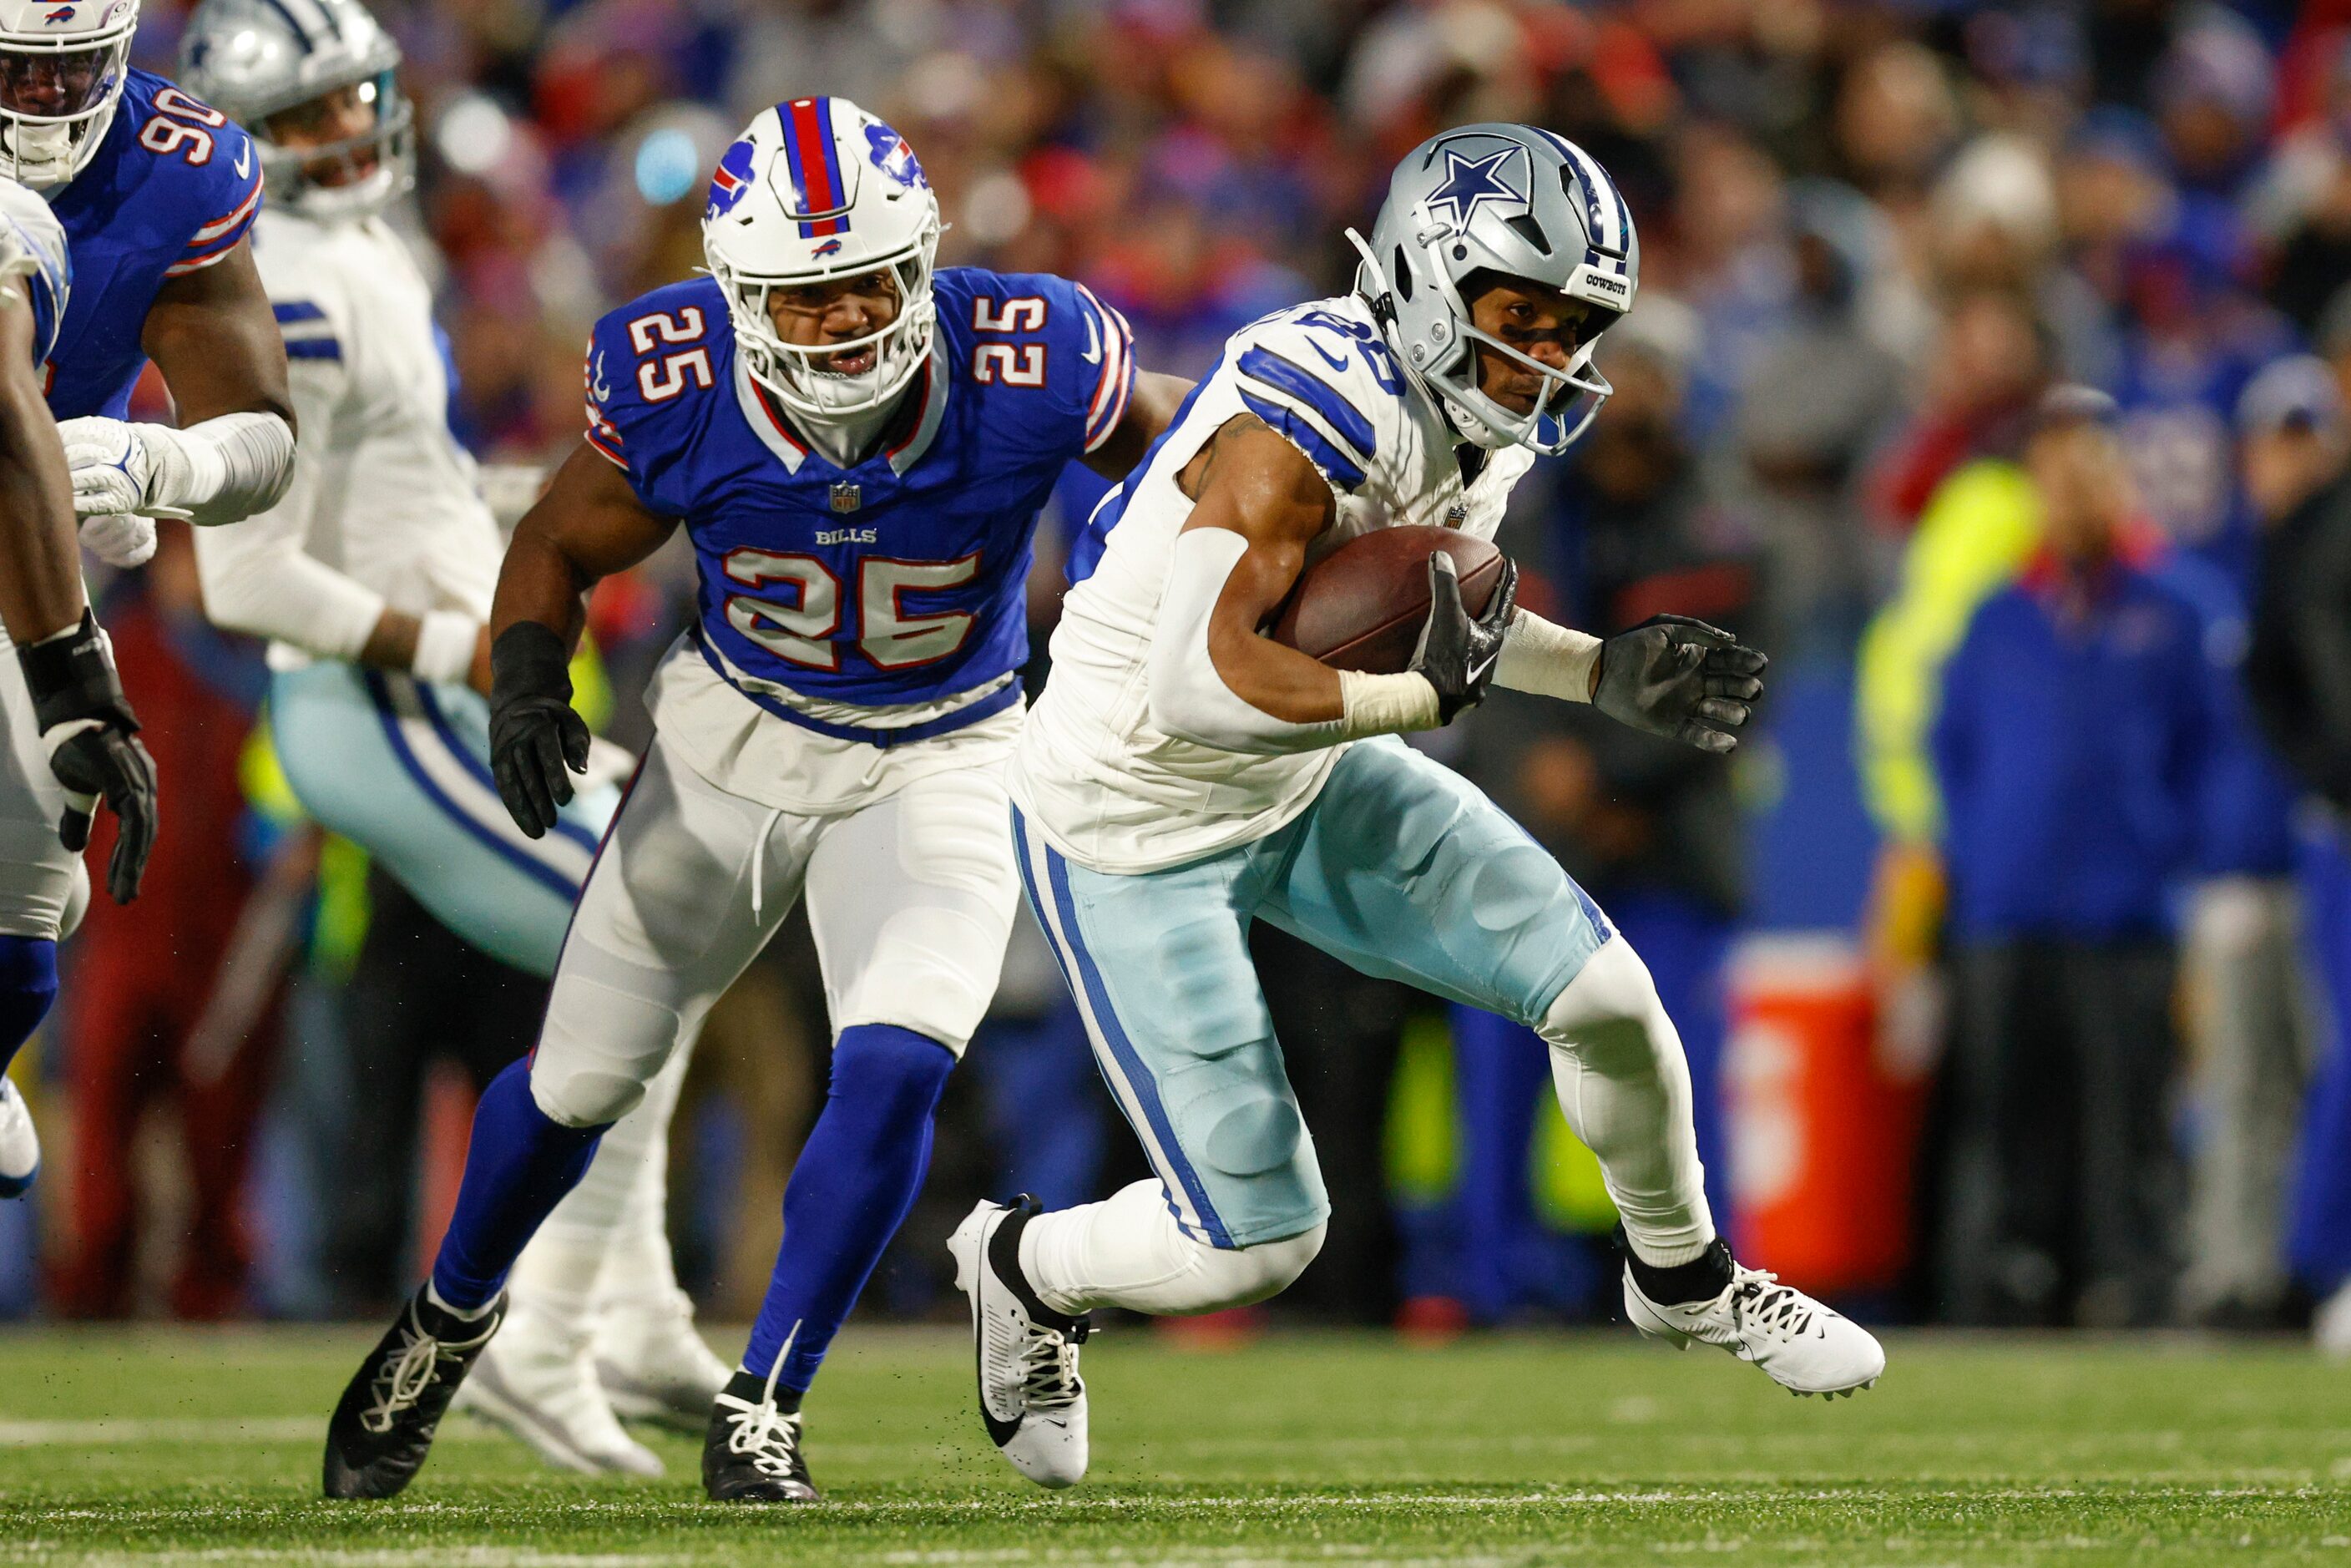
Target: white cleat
pixel 1031 1394
pixel 538 1382
pixel 653 1365
pixel 2330 1325
pixel 1800 1344
pixel 20 1144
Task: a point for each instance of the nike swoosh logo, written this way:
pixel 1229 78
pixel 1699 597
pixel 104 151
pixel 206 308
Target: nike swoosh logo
pixel 245 161
pixel 1092 355
pixel 1339 363
pixel 1478 671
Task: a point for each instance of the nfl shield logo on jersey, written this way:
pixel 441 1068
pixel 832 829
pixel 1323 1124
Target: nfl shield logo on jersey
pixel 846 495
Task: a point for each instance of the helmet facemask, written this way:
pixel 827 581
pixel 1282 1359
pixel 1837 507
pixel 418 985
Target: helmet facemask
pixel 796 372
pixel 57 99
pixel 378 164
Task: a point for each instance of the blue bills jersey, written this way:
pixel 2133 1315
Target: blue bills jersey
pixel 173 188
pixel 901 578
pixel 34 261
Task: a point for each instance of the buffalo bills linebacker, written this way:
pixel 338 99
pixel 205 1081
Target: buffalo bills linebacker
pixel 155 192
pixel 372 580
pixel 858 448
pixel 1184 775
pixel 70 732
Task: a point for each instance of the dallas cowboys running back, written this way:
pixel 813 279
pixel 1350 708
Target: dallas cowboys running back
pixel 372 580
pixel 1184 775
pixel 155 192
pixel 70 734
pixel 858 447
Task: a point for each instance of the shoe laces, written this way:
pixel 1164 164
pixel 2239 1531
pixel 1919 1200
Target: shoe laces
pixel 1048 1365
pixel 402 1377
pixel 769 1437
pixel 1757 1299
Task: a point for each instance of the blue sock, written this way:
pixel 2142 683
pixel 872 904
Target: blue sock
pixel 855 1181
pixel 29 983
pixel 517 1168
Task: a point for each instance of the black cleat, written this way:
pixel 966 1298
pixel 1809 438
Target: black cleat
pixel 752 1451
pixel 384 1425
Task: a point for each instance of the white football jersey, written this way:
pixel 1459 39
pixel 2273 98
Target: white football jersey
pixel 386 509
pixel 1107 788
pixel 33 250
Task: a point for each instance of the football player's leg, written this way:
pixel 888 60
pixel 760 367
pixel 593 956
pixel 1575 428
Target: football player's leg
pixel 1160 967
pixel 39 880
pixel 1409 871
pixel 911 902
pixel 401 769
pixel 684 893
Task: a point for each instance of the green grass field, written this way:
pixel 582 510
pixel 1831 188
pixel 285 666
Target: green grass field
pixel 203 1449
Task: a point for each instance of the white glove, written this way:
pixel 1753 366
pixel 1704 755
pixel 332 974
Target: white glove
pixel 119 539
pixel 120 466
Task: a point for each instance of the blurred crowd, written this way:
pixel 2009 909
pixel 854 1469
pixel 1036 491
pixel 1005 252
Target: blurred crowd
pixel 1988 370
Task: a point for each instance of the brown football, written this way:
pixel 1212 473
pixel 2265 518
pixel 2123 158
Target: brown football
pixel 1362 606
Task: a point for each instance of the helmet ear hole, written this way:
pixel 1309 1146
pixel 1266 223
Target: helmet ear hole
pixel 1402 273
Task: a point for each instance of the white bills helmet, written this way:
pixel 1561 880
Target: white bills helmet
pixel 1515 200
pixel 252 59
pixel 816 189
pixel 63 67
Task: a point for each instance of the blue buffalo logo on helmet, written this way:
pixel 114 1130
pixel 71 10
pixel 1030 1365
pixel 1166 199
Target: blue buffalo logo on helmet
pixel 893 157
pixel 731 179
pixel 62 14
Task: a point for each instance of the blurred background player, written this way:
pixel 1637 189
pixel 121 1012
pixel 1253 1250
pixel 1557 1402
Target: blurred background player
pixel 372 580
pixel 72 736
pixel 155 194
pixel 835 721
pixel 1185 776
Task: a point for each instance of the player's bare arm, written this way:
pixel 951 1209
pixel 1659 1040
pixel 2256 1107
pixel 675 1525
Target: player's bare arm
pixel 86 722
pixel 213 336
pixel 1150 410
pixel 587 526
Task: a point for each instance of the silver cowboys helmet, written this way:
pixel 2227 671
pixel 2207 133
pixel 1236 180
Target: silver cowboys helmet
pixel 1517 200
pixel 256 59
pixel 63 67
pixel 815 190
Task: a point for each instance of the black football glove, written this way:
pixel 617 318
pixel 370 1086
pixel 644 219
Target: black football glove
pixel 1680 678
pixel 1458 650
pixel 536 742
pixel 91 736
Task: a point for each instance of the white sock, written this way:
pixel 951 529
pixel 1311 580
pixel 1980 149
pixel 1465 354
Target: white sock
pixel 1128 1251
pixel 1625 1086
pixel 636 1252
pixel 463 1314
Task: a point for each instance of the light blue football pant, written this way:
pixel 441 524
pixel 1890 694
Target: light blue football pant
pixel 1401 867
pixel 401 769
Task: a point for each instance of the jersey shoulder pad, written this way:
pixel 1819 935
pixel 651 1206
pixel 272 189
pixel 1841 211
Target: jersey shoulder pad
pixel 1038 333
pixel 33 249
pixel 308 287
pixel 211 175
pixel 647 363
pixel 1321 375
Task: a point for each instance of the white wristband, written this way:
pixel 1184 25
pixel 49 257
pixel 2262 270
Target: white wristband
pixel 446 640
pixel 1386 705
pixel 1547 660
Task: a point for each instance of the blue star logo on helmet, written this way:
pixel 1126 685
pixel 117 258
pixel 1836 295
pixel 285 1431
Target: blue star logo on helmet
pixel 731 181
pixel 1471 183
pixel 892 156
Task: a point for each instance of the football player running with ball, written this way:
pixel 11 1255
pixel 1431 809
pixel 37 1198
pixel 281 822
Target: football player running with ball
pixel 858 447
pixel 372 578
pixel 1183 776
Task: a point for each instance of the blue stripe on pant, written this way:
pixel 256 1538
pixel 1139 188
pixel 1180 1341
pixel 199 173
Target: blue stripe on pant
pixel 1400 867
pixel 401 769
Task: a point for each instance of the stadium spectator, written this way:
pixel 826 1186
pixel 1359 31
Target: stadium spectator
pixel 2068 748
pixel 2298 472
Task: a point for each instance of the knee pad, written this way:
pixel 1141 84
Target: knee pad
pixel 1228 1277
pixel 598 1049
pixel 1609 1016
